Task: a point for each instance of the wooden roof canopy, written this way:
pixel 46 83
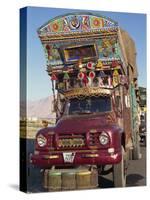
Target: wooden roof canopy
pixel 76 28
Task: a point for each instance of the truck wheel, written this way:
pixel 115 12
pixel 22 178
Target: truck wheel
pixel 136 152
pixel 119 172
pixel 145 141
pixel 130 154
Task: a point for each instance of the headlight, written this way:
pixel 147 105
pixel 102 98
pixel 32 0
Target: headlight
pixel 41 140
pixel 104 138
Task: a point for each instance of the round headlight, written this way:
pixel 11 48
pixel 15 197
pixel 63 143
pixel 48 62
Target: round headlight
pixel 41 140
pixel 103 138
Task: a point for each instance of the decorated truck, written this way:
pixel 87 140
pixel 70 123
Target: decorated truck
pixel 91 62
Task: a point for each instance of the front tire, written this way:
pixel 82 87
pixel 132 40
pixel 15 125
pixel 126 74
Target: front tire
pixel 119 172
pixel 136 149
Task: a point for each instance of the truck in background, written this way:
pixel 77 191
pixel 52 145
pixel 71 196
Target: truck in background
pixel 143 115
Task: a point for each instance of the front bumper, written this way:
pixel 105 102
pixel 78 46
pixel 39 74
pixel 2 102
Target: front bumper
pixel 91 157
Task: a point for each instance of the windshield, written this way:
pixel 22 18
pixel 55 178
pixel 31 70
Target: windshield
pixel 88 105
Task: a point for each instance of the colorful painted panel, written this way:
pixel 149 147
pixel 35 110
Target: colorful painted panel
pixel 96 22
pixel 77 23
pixel 108 48
pixel 56 26
pixel 52 55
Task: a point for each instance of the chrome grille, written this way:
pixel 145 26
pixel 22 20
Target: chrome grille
pixel 94 139
pixel 71 140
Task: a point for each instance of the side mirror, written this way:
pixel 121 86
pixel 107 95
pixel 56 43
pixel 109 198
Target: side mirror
pixel 44 123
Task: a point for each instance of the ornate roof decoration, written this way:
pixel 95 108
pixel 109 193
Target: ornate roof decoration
pixel 76 22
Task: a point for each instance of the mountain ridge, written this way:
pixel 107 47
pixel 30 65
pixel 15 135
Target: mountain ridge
pixel 41 108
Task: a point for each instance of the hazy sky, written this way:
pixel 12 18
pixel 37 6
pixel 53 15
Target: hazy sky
pixel 38 81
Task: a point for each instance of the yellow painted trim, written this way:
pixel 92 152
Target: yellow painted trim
pixel 87 91
pixel 91 155
pixel 76 151
pixel 53 156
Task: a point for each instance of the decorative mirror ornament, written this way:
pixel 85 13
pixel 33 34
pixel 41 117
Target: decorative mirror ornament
pixel 74 22
pixel 54 77
pixel 92 74
pixel 90 65
pixel 114 63
pixel 99 65
pixel 80 75
pixel 66 76
pixel 115 78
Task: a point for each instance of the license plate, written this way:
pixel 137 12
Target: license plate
pixel 68 157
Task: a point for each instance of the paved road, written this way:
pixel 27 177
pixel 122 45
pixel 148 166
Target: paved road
pixel 136 173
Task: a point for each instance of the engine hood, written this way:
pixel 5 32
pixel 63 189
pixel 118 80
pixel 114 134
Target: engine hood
pixel 83 123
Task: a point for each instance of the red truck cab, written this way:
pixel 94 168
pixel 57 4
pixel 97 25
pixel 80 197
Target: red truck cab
pixel 81 136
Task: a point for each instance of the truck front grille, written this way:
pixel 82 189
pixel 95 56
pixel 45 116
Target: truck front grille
pixel 94 139
pixel 71 140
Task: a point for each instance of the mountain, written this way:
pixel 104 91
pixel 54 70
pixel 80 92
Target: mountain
pixel 40 108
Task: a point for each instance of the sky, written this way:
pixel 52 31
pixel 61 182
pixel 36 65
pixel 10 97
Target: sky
pixel 38 81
